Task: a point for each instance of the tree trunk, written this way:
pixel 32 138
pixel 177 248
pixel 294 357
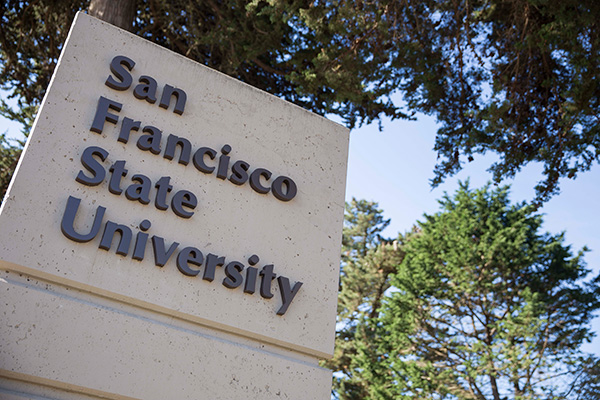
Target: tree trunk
pixel 117 12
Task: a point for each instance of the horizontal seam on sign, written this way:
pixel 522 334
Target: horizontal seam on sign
pixel 161 323
pixel 56 385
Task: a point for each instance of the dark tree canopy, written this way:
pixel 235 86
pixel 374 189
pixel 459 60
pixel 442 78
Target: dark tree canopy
pixel 518 78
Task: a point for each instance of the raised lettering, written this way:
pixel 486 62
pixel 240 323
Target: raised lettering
pixel 97 170
pixel 67 224
pixel 141 191
pixel 233 275
pixel 117 172
pixel 146 89
pixel 110 230
pixel 181 199
pixel 151 141
pixel 124 78
pixel 127 126
pixel 164 188
pixel 239 172
pixel 180 99
pixel 199 159
pixel 277 187
pixel 267 277
pixel 161 256
pixel 212 262
pixel 141 240
pixel 103 115
pixel 185 146
pixel 255 180
pixel 223 162
pixel 187 256
pixel 287 294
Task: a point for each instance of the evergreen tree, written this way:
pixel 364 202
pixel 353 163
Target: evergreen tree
pixel 484 306
pixel 367 261
pixel 587 383
pixel 9 156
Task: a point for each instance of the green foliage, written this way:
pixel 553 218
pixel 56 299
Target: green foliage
pixel 367 262
pixel 587 385
pixel 518 78
pixel 292 49
pixel 483 306
pixel 9 156
pixel 31 39
pixel 520 81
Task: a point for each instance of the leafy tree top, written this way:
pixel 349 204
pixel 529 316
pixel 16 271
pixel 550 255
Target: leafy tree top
pixel 485 306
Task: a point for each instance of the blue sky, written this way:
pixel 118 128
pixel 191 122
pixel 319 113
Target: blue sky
pixel 394 167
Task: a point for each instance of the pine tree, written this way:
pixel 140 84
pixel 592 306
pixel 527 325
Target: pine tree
pixel 484 306
pixel 367 261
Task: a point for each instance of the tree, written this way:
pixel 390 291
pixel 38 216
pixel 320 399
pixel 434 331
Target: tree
pixel 9 156
pixel 120 13
pixel 587 382
pixel 516 78
pixel 484 306
pixel 368 259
